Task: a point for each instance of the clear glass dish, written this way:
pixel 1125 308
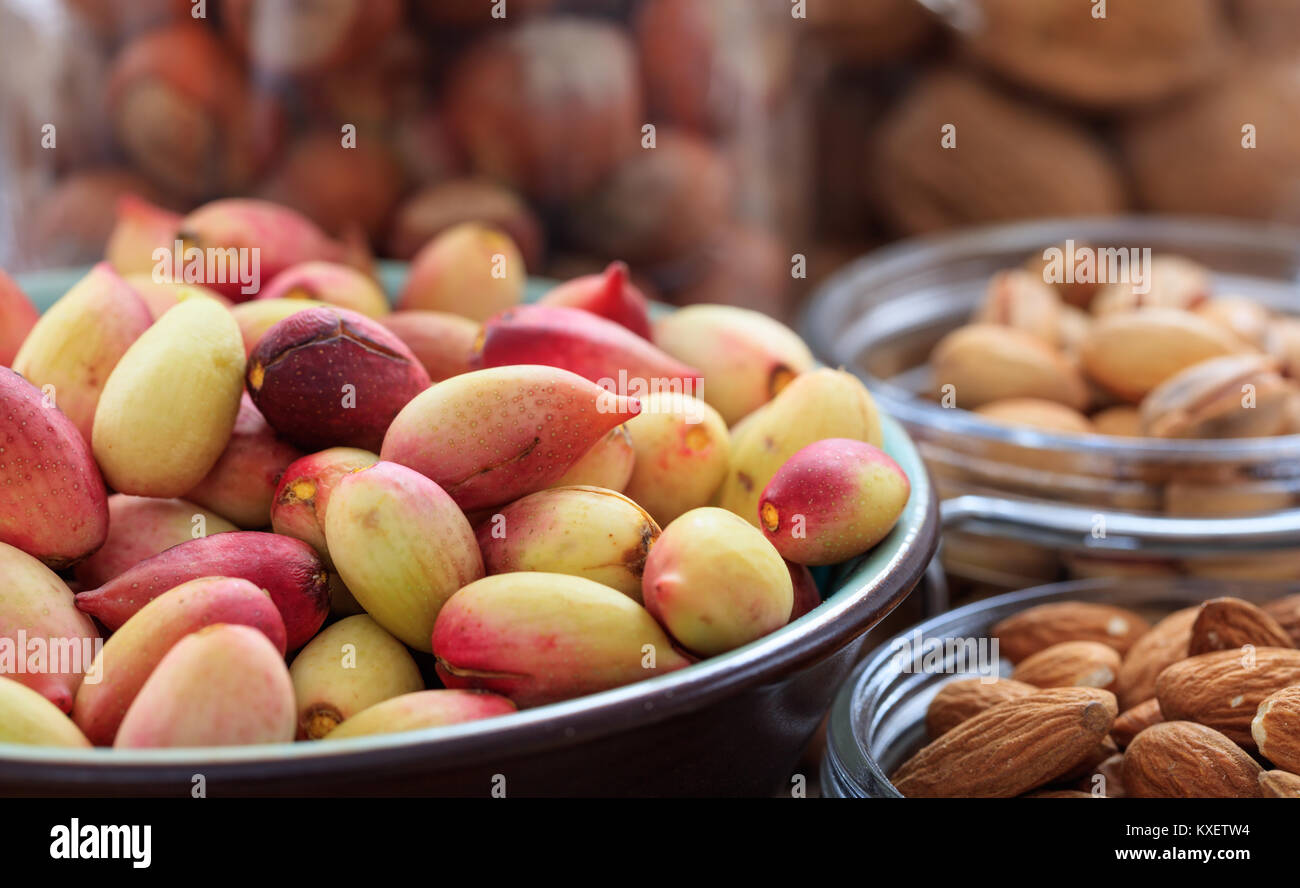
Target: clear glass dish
pixel 882 315
pixel 878 718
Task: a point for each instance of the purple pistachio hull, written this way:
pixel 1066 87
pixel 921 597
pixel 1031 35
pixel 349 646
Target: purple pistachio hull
pixel 330 377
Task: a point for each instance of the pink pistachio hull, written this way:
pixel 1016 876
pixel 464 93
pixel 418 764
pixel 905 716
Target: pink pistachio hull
pixel 53 504
pixel 491 436
pixel 832 500
pixel 130 655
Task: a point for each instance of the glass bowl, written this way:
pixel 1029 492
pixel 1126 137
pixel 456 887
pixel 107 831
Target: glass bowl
pixel 878 719
pixel 882 315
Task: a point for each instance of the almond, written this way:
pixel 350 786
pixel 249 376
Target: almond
pixel 1276 728
pixel 1224 689
pixel 1287 613
pixel 1100 753
pixel 1070 664
pixel 1032 630
pixel 1279 785
pixel 959 700
pixel 1134 721
pixel 1230 623
pixel 1184 760
pixel 1165 644
pixel 1106 779
pixel 1011 748
pixel 1059 794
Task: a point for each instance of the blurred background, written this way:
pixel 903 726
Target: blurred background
pixel 778 127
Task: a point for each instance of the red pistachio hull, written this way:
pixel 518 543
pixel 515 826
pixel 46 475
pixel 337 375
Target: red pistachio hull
pixel 53 504
pixel 286 568
pixel 611 295
pixel 583 343
pixel 140 527
pixel 298 505
pixel 128 658
pixel 17 317
pixel 241 485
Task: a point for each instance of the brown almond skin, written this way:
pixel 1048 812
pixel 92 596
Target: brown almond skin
pixel 1229 623
pixel 1112 773
pixel 1286 611
pixel 960 700
pixel 1165 644
pixel 1279 785
pixel 1060 794
pixel 1011 748
pixel 1037 628
pixel 1276 728
pixel 1218 689
pixel 1100 753
pixel 1070 664
pixel 1135 720
pixel 1185 760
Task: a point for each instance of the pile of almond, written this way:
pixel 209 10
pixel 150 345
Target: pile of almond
pixel 1204 703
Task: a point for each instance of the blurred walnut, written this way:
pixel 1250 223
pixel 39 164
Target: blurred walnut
pixel 1193 157
pixel 1140 52
pixel 1009 160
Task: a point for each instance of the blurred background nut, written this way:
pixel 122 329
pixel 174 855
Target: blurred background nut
pixel 986 362
pixel 707 65
pixel 923 186
pixel 551 106
pixel 1047 416
pixel 1236 396
pixel 1169 282
pixel 185 114
pixel 1246 318
pixel 658 204
pixel 1138 53
pixel 432 210
pixel 342 189
pixel 1268 26
pixel 293 38
pixel 857 33
pixel 1190 156
pixel 1018 299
